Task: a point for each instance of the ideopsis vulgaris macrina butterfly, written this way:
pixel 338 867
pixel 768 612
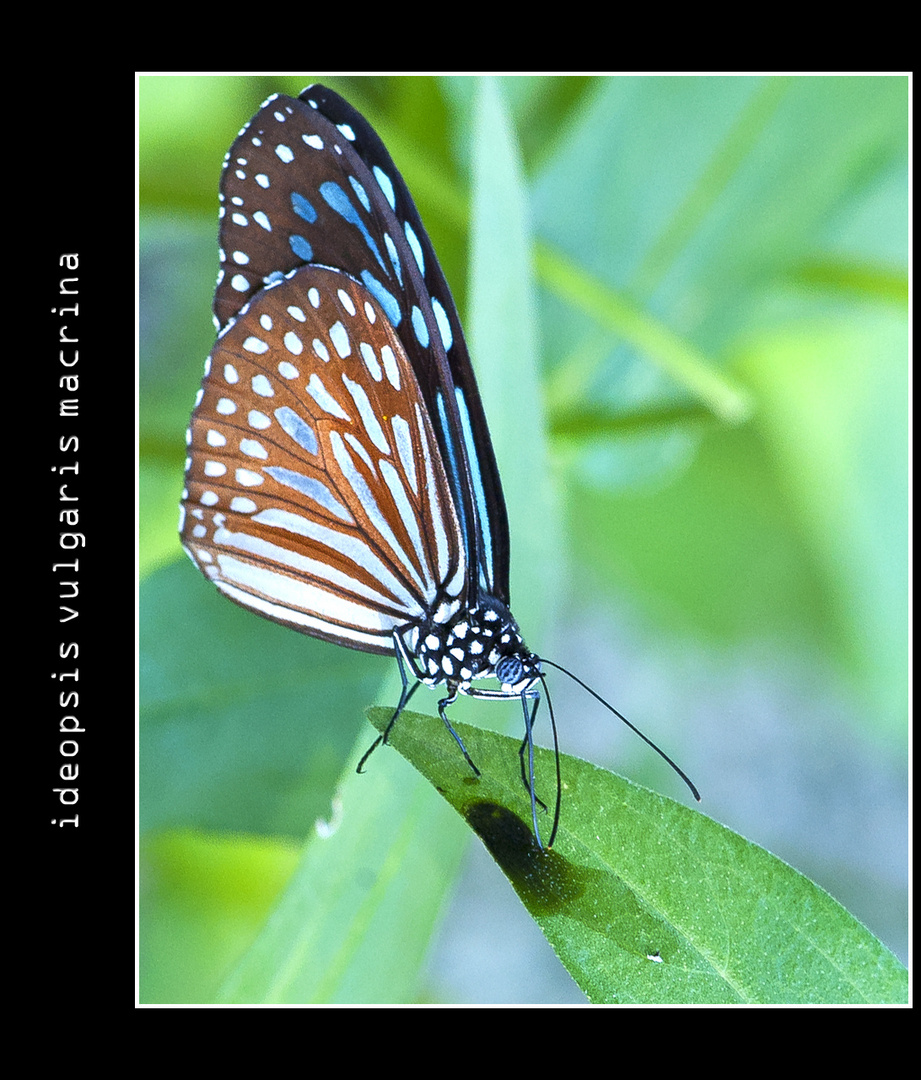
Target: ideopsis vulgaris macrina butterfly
pixel 341 478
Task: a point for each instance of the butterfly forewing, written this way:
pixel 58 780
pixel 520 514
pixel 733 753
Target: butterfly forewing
pixel 315 492
pixel 308 181
pixel 283 176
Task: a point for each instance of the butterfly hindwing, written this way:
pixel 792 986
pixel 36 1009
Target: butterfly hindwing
pixel 315 491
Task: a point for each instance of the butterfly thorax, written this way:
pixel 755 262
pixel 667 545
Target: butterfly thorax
pixel 482 641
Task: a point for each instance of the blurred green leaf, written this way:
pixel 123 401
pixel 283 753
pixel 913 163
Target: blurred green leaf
pixel 244 726
pixel 354 924
pixel 762 222
pixel 835 421
pixel 656 342
pixel 203 898
pixel 507 357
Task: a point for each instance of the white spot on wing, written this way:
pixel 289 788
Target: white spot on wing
pixel 262 386
pixel 368 416
pixel 254 449
pixel 374 368
pixel 413 242
pixel 444 326
pixel 390 367
pixel 324 399
pixel 340 339
pixel 241 505
pixel 293 343
pixel 386 185
pixel 248 478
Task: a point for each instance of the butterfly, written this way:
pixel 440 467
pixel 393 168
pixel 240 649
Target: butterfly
pixel 340 477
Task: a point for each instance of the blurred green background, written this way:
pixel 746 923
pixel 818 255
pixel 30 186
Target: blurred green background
pixel 720 278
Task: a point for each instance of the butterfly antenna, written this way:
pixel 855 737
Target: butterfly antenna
pixel 620 716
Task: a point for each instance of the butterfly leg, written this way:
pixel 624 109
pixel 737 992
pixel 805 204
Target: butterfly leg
pixel 442 705
pixel 405 695
pixel 526 742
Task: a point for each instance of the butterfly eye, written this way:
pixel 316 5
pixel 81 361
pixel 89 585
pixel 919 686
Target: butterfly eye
pixel 510 670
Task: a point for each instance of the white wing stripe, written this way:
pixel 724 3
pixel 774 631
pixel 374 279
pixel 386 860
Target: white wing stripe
pixel 435 507
pixel 297 428
pixel 285 589
pixel 324 399
pixel 309 622
pixel 372 426
pixel 408 516
pixel 350 547
pixel 312 488
pixel 404 443
pixel 296 595
pixel 369 504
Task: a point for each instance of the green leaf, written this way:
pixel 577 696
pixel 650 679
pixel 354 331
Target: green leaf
pixel 645 900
